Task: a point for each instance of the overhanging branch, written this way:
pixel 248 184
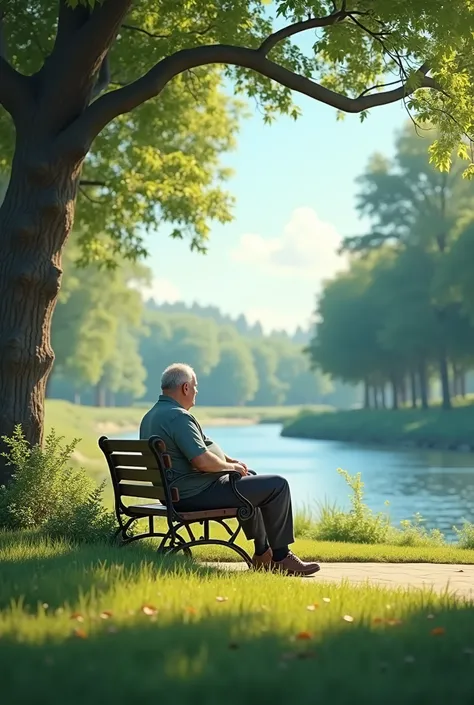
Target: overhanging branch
pixel 311 23
pixel 125 99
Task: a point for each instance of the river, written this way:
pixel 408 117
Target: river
pixel 439 485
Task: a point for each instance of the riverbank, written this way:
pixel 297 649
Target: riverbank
pixel 70 614
pixel 88 423
pixel 410 428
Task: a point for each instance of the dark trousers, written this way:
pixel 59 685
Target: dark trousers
pixel 270 495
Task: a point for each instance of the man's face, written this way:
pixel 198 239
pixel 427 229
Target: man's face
pixel 190 390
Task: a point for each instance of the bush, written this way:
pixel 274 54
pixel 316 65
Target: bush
pixel 465 535
pixel 359 525
pixel 413 533
pixel 46 492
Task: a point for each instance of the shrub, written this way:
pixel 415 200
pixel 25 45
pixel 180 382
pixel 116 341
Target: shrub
pixel 46 492
pixel 359 525
pixel 465 535
pixel 413 533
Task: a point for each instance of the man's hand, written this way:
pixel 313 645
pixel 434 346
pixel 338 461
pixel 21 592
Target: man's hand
pixel 238 462
pixel 240 468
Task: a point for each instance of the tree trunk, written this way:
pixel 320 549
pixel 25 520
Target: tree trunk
pixel 394 393
pixel 35 220
pixel 462 383
pixel 423 385
pixel 111 399
pixel 375 397
pixel 366 395
pixel 382 396
pixel 101 394
pixel 444 376
pixel 413 390
pixel 403 390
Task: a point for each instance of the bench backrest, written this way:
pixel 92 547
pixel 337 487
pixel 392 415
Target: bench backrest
pixel 138 468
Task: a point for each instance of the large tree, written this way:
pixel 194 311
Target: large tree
pixel 413 205
pixel 61 100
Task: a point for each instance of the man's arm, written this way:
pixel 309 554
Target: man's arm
pixel 210 462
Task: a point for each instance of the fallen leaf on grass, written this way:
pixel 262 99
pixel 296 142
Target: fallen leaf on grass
pixel 302 636
pixel 326 599
pixel 190 610
pixel 106 614
pixel 377 620
pixel 348 618
pixel 149 610
pixel 77 616
pixel 221 599
pixel 430 616
pixel 394 622
pixel 80 634
pixel 45 605
pixel 438 631
pixel 312 608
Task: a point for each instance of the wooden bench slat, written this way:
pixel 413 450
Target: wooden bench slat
pixel 149 491
pixel 140 474
pixel 137 460
pixel 131 446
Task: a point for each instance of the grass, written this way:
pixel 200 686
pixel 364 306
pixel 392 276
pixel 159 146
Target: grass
pixel 433 428
pixel 99 624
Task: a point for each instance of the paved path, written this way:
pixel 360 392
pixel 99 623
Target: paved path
pixel 458 579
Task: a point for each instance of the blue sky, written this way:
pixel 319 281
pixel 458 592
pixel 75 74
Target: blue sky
pixel 295 190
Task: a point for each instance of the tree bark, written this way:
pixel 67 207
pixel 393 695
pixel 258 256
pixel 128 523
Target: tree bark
pixel 35 220
pixel 462 383
pixel 444 376
pixel 383 397
pixel 423 385
pixel 414 396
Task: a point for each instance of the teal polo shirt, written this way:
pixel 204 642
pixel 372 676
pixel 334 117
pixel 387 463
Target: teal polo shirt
pixel 185 440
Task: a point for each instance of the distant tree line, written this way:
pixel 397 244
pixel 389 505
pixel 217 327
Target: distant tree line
pixel 402 316
pixel 111 348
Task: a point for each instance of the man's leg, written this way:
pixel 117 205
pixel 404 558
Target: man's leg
pixel 270 494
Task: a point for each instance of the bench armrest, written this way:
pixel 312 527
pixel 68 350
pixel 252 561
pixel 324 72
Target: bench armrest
pixel 245 510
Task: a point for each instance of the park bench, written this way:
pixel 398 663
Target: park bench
pixel 143 470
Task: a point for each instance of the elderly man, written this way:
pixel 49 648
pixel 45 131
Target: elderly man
pixel 199 467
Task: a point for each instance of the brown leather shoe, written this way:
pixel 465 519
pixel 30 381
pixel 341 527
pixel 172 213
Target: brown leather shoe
pixel 263 562
pixel 292 565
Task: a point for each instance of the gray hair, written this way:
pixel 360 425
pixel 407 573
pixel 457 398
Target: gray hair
pixel 175 375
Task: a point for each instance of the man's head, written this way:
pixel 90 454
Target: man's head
pixel 179 382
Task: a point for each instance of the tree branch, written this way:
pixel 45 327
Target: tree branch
pixel 125 99
pixel 152 35
pixel 15 95
pixel 70 20
pixel 103 78
pixel 311 23
pixel 87 182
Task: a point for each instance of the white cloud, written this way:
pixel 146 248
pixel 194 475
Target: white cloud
pixel 276 319
pixel 306 248
pixel 161 290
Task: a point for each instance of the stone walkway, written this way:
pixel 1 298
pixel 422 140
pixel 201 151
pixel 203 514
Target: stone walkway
pixel 457 579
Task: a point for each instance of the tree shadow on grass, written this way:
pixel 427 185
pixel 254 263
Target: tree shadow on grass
pixel 240 658
pixel 55 573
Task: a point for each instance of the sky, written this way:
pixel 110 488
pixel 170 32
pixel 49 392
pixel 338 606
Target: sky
pixel 295 191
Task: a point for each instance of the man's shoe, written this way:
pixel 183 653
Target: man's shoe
pixel 263 562
pixel 292 565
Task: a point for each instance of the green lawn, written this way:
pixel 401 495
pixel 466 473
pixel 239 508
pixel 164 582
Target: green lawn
pixel 95 624
pixel 432 428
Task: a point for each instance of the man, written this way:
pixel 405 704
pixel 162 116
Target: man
pixel 199 468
